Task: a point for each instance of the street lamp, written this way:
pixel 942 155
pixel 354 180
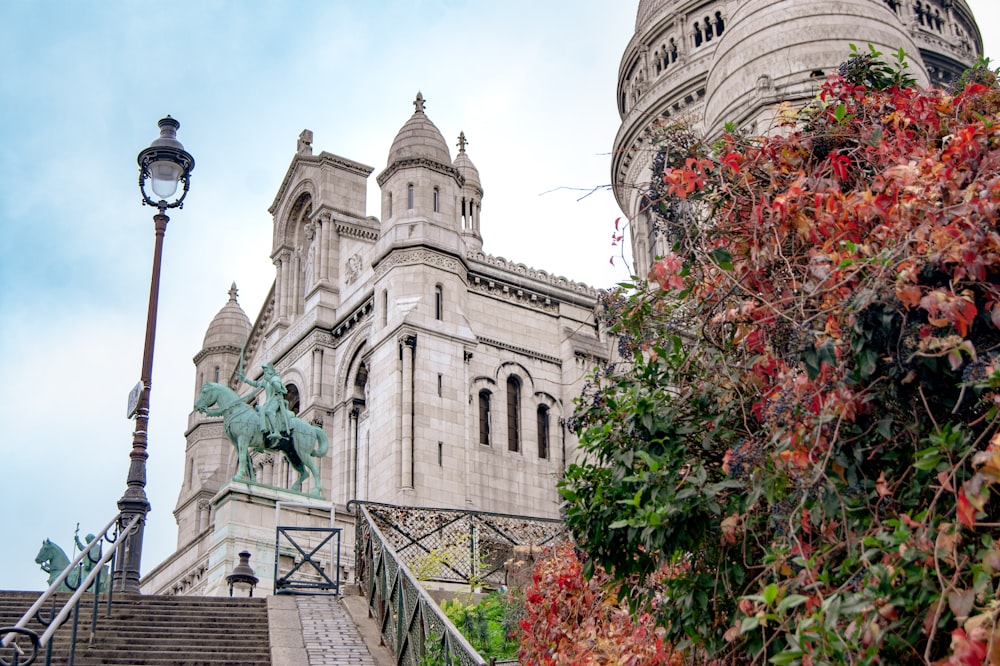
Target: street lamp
pixel 162 167
pixel 243 576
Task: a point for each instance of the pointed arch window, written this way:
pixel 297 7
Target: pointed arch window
pixel 484 417
pixel 389 205
pixel 513 413
pixel 437 200
pixel 438 302
pixel 409 196
pixel 543 431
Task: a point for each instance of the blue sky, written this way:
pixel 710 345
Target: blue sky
pixel 532 84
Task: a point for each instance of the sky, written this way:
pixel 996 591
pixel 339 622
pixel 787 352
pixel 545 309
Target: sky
pixel 532 85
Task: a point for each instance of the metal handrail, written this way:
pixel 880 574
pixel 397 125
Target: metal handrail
pixel 453 638
pixel 20 628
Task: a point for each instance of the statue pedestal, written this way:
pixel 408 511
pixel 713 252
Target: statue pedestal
pixel 244 517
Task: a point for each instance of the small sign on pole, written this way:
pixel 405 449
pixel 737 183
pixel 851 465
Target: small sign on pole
pixel 133 400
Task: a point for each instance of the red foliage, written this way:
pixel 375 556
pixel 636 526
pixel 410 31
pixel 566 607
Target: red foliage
pixel 570 620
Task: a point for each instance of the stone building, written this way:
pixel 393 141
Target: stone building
pixel 441 375
pixel 705 63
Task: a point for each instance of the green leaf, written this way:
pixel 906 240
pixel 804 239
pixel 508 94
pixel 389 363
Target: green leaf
pixel 749 624
pixel 723 258
pixel 787 657
pixel 791 601
pixel 770 593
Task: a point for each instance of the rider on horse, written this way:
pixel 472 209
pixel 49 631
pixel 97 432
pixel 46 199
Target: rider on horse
pixel 274 415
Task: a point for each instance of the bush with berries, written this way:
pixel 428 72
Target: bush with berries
pixel 803 418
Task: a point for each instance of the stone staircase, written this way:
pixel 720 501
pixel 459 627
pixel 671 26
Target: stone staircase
pixel 157 631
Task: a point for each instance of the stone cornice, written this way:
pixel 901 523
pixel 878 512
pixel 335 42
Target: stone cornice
pixel 357 231
pixel 420 163
pixel 534 274
pixel 218 349
pixel 211 428
pixel 522 351
pixel 420 255
pixel 361 313
pixel 513 293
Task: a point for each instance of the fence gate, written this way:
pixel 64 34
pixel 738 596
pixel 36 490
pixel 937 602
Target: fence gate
pixel 304 558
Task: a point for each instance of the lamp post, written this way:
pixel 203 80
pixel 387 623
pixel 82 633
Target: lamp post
pixel 162 167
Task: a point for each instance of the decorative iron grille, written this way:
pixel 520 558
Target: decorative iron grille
pixel 445 545
pixel 307 572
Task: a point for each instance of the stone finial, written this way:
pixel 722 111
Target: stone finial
pixel 232 292
pixel 418 103
pixel 462 142
pixel 304 146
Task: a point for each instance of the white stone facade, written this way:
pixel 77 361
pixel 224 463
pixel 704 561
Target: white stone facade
pixel 441 375
pixel 705 63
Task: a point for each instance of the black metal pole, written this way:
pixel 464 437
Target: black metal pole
pixel 126 575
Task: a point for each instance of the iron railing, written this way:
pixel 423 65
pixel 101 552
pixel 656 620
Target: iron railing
pixel 14 651
pixel 444 545
pixel 307 574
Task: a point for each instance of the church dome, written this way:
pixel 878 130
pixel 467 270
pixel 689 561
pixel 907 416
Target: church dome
pixel 647 8
pixel 419 137
pixel 465 165
pixel 783 49
pixel 229 328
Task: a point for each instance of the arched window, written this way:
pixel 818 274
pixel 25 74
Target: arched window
pixel 720 25
pixel 708 29
pixel 437 197
pixel 543 431
pixel 409 196
pixel 217 373
pixel 513 413
pixel 697 34
pixel 389 206
pixel 484 417
pixel 385 307
pixel 293 398
pixel 438 302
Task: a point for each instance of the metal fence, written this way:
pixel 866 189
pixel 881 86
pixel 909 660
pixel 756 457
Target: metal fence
pixel 444 545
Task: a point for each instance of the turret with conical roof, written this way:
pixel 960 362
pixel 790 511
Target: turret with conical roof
pixel 471 196
pixel 420 190
pixel 224 339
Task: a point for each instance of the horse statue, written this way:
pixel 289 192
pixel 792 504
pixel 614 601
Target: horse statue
pixel 53 560
pixel 241 424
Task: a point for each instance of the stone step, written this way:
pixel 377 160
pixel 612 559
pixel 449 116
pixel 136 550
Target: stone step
pixel 155 631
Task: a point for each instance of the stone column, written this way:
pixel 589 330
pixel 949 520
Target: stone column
pixel 323 248
pixel 409 347
pixel 283 287
pixel 278 280
pixel 471 423
pixel 352 454
pixel 295 285
pixel 317 373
